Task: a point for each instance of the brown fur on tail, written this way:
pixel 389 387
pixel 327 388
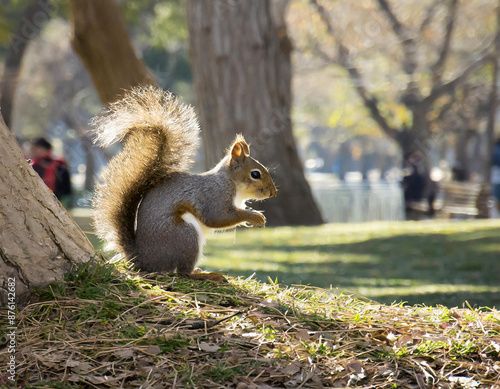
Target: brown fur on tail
pixel 160 135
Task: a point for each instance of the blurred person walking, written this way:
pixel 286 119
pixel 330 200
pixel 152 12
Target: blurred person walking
pixel 53 171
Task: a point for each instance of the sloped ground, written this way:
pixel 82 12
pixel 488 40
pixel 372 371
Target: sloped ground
pixel 102 328
pixel 443 262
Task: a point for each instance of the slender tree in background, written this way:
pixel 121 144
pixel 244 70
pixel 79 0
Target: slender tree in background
pixel 34 17
pixel 39 241
pixel 240 56
pixel 101 40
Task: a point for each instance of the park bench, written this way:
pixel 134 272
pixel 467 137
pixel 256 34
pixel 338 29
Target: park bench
pixel 465 199
pixel 455 200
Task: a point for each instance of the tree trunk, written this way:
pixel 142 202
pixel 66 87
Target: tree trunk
pixel 463 157
pixel 32 21
pixel 101 40
pixel 39 242
pixel 90 163
pixel 240 55
pixel 416 147
pixel 492 113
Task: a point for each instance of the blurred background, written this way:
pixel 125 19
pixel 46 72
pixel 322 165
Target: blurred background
pixel 393 104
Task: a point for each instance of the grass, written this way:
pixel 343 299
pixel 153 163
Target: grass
pixel 438 262
pixel 103 328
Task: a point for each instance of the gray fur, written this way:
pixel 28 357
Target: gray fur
pixel 168 246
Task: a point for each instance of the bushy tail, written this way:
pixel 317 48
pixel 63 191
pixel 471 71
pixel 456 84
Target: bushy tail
pixel 160 135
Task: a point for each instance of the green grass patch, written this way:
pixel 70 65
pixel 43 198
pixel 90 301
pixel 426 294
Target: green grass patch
pixel 436 262
pixel 104 328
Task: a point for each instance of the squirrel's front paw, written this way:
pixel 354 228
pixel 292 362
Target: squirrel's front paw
pixel 257 219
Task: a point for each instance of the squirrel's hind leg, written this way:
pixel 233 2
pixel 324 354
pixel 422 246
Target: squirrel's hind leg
pixel 201 231
pixel 185 249
pixel 167 247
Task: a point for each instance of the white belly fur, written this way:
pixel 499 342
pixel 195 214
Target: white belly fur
pixel 241 197
pixel 201 229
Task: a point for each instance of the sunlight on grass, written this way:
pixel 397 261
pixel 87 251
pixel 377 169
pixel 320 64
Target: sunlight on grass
pixel 422 290
pixel 438 262
pixel 112 328
pixel 431 262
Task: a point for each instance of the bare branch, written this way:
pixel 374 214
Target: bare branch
pixel 429 13
pixel 396 25
pixel 439 89
pixel 407 42
pixel 323 14
pixel 437 68
pixel 342 58
pixel 371 103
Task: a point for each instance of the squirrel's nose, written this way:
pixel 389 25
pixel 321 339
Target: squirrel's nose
pixel 272 192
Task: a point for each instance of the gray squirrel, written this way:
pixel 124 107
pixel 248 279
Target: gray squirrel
pixel 149 208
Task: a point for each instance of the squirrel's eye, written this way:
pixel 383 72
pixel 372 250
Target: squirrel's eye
pixel 255 174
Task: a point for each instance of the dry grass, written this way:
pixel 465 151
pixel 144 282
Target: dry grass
pixel 102 328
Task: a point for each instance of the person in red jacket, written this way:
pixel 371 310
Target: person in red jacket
pixel 54 172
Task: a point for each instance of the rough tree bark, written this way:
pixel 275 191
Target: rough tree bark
pixel 101 40
pixel 34 17
pixel 240 56
pixel 39 242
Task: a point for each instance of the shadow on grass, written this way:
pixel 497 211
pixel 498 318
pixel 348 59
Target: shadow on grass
pixel 437 268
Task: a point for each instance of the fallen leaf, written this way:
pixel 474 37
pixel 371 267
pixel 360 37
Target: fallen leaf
pixel 234 359
pixel 404 341
pixel 291 369
pixel 208 347
pixel 357 368
pixel 302 334
pixel 385 370
pixel 153 350
pixel 71 363
pixel 124 353
pixel 82 368
pixel 355 365
pixel 74 378
pixel 391 337
pixel 465 382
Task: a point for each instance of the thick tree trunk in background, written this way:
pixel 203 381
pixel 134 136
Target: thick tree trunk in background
pixel 32 21
pixel 39 242
pixel 492 114
pixel 416 140
pixel 101 40
pixel 240 56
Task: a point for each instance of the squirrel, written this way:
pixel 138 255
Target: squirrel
pixel 148 207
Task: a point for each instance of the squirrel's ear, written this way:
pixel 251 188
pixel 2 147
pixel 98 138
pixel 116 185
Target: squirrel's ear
pixel 240 148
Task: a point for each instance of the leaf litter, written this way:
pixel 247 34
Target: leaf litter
pixel 102 328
